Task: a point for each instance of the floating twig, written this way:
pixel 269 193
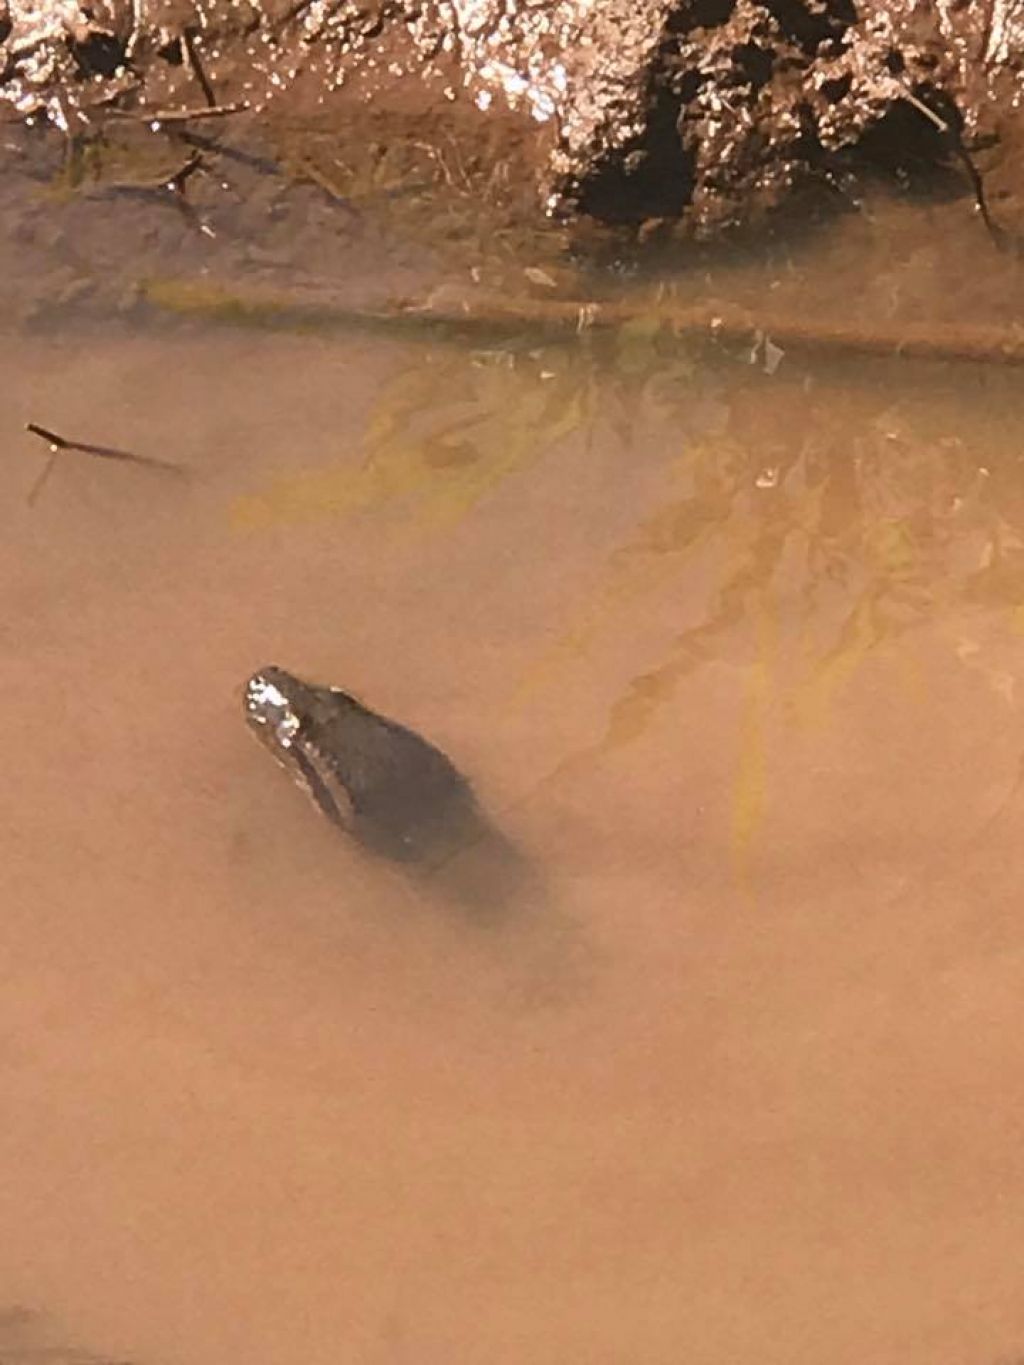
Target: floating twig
pixel 58 444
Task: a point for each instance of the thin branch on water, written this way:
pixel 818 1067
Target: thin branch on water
pixel 58 444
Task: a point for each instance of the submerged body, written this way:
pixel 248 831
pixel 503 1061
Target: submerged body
pixel 374 778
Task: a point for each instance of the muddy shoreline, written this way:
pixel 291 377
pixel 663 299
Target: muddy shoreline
pixel 694 117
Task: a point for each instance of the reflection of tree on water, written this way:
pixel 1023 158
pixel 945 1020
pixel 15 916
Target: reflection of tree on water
pixel 838 508
pixel 839 519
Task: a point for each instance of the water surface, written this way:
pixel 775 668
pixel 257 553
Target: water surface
pixel 731 657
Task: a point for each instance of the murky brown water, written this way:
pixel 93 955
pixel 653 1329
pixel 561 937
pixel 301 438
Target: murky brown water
pixel 731 657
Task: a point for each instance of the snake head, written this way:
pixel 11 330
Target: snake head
pixel 395 793
pixel 376 779
pixel 285 715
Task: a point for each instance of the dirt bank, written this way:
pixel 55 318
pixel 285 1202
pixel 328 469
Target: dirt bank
pixel 707 112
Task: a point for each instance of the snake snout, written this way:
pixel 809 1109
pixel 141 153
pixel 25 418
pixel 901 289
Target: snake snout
pixel 267 704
